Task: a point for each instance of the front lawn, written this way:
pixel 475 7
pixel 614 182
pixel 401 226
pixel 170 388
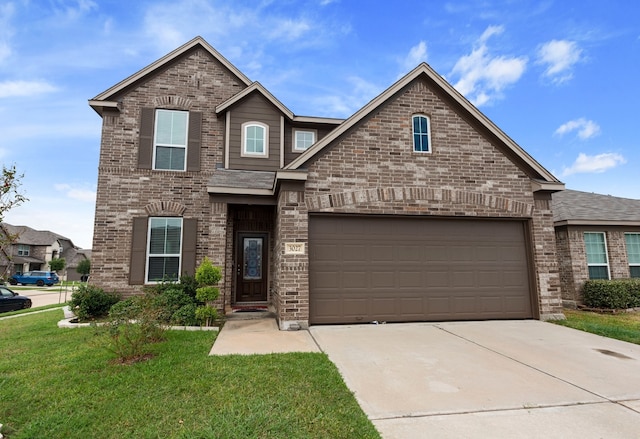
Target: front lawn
pixel 60 383
pixel 622 326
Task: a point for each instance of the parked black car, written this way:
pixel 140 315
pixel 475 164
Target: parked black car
pixel 12 301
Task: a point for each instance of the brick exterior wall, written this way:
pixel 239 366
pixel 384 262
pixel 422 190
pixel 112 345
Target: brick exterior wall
pixel 373 170
pixel 194 82
pixel 572 257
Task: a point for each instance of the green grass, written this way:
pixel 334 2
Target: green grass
pixel 30 310
pixel 621 326
pixel 60 383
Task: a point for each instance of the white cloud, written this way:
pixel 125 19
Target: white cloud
pixel 7 11
pixel 346 104
pixel 416 55
pixel 288 29
pixel 559 56
pixel 586 128
pixel 595 164
pixel 483 76
pixel 78 194
pixel 24 88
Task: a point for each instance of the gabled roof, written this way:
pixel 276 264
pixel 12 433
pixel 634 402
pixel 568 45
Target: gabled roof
pixel 256 86
pixel 259 88
pixel 586 208
pixel 544 181
pixel 102 100
pixel 28 236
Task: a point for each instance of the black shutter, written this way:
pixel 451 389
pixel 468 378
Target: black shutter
pixel 145 144
pixel 190 237
pixel 138 261
pixel 195 140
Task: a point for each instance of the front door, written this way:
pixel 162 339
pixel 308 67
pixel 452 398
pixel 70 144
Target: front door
pixel 251 267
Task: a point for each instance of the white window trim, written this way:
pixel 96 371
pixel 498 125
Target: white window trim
pixel 635 264
pixel 243 152
pixel 413 145
pixel 606 253
pixel 148 252
pixel 295 138
pixel 24 250
pixel 156 144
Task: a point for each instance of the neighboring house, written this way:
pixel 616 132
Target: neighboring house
pixel 416 208
pixel 597 237
pixel 33 250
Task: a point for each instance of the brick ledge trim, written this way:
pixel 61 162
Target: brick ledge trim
pixel 395 194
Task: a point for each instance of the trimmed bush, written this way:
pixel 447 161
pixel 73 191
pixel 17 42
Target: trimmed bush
pixel 612 294
pixel 89 302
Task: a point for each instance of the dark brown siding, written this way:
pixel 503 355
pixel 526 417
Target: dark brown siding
pixel 321 131
pixel 254 108
pixel 194 139
pixel 417 269
pixel 145 151
pixel 138 251
pixel 190 238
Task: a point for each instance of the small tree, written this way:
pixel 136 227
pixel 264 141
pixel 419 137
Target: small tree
pixel 207 276
pixel 57 264
pixel 10 197
pixel 84 268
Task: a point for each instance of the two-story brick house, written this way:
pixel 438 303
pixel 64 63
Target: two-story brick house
pixel 415 208
pixel 27 249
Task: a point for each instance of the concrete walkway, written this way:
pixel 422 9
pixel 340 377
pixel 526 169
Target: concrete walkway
pixel 260 336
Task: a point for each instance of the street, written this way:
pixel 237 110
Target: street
pixel 41 296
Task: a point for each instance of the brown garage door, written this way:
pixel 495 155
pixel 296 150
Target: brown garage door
pixel 400 269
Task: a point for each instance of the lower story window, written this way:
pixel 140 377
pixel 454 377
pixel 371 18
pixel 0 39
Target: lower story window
pixel 633 253
pixel 164 249
pixel 596 249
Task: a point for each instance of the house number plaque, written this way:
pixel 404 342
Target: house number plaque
pixel 294 248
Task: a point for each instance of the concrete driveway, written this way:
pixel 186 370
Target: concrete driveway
pixel 498 379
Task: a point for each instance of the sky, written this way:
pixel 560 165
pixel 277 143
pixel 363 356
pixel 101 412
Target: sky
pixel 559 77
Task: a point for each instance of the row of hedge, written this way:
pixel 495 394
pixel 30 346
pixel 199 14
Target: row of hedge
pixel 188 302
pixel 612 294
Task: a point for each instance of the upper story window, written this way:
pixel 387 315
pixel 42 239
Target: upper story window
pixel 303 139
pixel 24 250
pixel 255 139
pixel 597 260
pixel 421 133
pixel 170 140
pixel 633 253
pixel 164 244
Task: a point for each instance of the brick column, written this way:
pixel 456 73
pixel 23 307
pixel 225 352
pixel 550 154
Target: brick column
pixel 544 251
pixel 215 248
pixel 291 276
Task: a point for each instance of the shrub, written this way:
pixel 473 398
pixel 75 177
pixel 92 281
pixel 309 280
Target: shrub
pixel 89 302
pixel 185 315
pixel 207 277
pixel 169 301
pixel 612 294
pixel 133 324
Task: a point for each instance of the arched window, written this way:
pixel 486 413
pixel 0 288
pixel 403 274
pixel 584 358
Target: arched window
pixel 255 139
pixel 421 133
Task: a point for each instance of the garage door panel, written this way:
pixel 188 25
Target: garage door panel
pixel 417 269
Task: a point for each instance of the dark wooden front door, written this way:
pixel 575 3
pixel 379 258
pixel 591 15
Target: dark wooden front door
pixel 251 267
